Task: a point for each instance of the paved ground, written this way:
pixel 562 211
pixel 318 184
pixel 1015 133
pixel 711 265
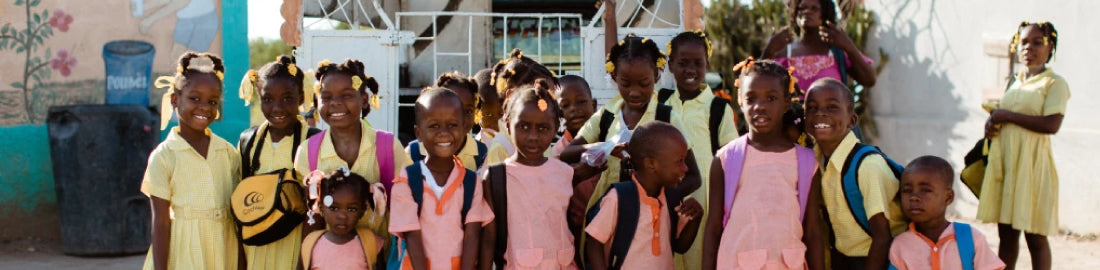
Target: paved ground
pixel 1070 252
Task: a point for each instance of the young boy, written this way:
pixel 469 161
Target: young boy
pixel 859 244
pixel 439 235
pixel 472 152
pixel 577 105
pixel 925 194
pixel 658 152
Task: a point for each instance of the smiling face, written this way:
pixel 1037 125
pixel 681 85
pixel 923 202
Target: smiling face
pixel 808 14
pixel 439 126
pixel 1034 48
pixel 829 113
pixel 577 105
pixel 671 165
pixel 763 100
pixel 491 111
pixel 344 212
pixel 469 106
pixel 689 65
pixel 198 101
pixel 533 130
pixel 339 104
pixel 279 100
pixel 635 78
pixel 925 194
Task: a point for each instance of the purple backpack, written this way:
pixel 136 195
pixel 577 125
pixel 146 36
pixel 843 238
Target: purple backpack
pixel 383 147
pixel 735 160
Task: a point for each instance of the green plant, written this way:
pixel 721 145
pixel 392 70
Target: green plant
pixel 262 51
pixel 27 42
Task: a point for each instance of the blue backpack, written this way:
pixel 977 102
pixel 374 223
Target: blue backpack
pixel 416 187
pixel 850 181
pixel 414 153
pixel 965 240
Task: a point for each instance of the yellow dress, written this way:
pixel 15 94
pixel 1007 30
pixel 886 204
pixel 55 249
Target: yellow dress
pixel 203 235
pixel 283 253
pixel 1021 185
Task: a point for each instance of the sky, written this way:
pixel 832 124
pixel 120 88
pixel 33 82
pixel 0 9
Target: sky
pixel 264 19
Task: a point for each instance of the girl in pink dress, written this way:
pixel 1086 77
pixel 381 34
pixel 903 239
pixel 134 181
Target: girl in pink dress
pixel 344 197
pixel 760 180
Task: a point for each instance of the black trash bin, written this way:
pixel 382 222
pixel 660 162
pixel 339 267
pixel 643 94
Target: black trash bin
pixel 99 154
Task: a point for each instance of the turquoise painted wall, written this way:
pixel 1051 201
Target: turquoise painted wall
pixel 27 179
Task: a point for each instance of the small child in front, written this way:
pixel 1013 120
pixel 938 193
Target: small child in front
pixel 925 194
pixel 437 204
pixel 663 224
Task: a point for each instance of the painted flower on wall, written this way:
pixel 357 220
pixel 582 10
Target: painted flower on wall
pixel 61 20
pixel 63 63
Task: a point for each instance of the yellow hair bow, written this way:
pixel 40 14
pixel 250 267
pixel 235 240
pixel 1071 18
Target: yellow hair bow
pixel 356 82
pixel 248 87
pixel 610 66
pixel 166 99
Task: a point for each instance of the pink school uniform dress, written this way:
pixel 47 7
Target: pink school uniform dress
pixel 329 255
pixel 914 251
pixel 651 247
pixel 538 234
pixel 440 221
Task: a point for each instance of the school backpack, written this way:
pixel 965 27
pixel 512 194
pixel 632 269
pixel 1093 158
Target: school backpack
pixel 841 63
pixel 366 239
pixel 398 247
pixel 627 220
pixel 735 161
pixel 383 152
pixel 717 112
pixel 482 149
pixel 964 238
pixel 664 114
pixel 850 180
pixel 497 186
pixel 267 207
pixel 251 163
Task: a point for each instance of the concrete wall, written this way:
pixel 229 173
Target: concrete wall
pixel 927 101
pixel 454 37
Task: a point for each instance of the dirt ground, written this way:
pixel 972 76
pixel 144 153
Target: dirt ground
pixel 1070 252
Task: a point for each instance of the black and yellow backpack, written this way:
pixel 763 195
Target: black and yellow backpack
pixel 267 207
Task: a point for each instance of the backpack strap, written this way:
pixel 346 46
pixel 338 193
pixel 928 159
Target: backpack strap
pixel 314 149
pixel 370 247
pixel 383 152
pixel 664 113
pixel 841 63
pixel 416 184
pixel 307 246
pixel 414 151
pixel 626 223
pixel 850 181
pixel 469 185
pixel 245 145
pixel 717 114
pixel 663 95
pixel 498 188
pixel 964 238
pixel 482 149
pixel 734 163
pixel 806 167
pixel 606 118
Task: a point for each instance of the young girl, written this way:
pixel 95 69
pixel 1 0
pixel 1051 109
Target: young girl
pixel 438 206
pixel 509 74
pixel 635 64
pixel 711 119
pixel 191 175
pixel 271 145
pixel 491 107
pixel 529 192
pixel 577 105
pixel 345 196
pixel 1020 190
pixel 473 151
pixel 818 48
pixel 760 181
pixel 350 142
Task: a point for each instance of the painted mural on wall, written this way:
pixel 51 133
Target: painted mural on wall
pixel 94 52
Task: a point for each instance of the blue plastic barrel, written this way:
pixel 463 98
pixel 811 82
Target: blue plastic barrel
pixel 129 66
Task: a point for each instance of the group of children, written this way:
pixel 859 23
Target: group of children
pixel 652 180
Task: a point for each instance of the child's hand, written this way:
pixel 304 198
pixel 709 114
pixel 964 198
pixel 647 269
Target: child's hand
pixel 991 129
pixel 583 171
pixel 618 150
pixel 690 209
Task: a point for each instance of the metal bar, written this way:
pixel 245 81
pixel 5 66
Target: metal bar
pixel 561 52
pixel 538 36
pixel 453 53
pixel 382 13
pixel 435 47
pixel 654 13
pixel 470 46
pixel 486 14
pixel 504 53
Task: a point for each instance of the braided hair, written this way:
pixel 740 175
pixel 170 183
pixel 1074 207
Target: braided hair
pixel 456 80
pixel 1050 36
pixel 344 179
pixel 535 94
pixel 699 37
pixel 752 67
pixel 283 67
pixel 354 69
pixel 634 47
pixel 828 13
pixel 517 70
pixel 185 70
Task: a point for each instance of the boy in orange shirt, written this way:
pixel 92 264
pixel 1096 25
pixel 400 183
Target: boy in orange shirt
pixel 925 194
pixel 437 204
pixel 658 153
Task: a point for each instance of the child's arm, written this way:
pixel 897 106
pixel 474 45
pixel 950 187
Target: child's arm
pixel 712 235
pixel 610 26
pixel 690 208
pixel 778 42
pixel 594 253
pixel 489 233
pixel 414 245
pixel 162 232
pixel 813 227
pixel 471 238
pixel 1048 124
pixel 693 178
pixel 572 153
pixel 877 257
